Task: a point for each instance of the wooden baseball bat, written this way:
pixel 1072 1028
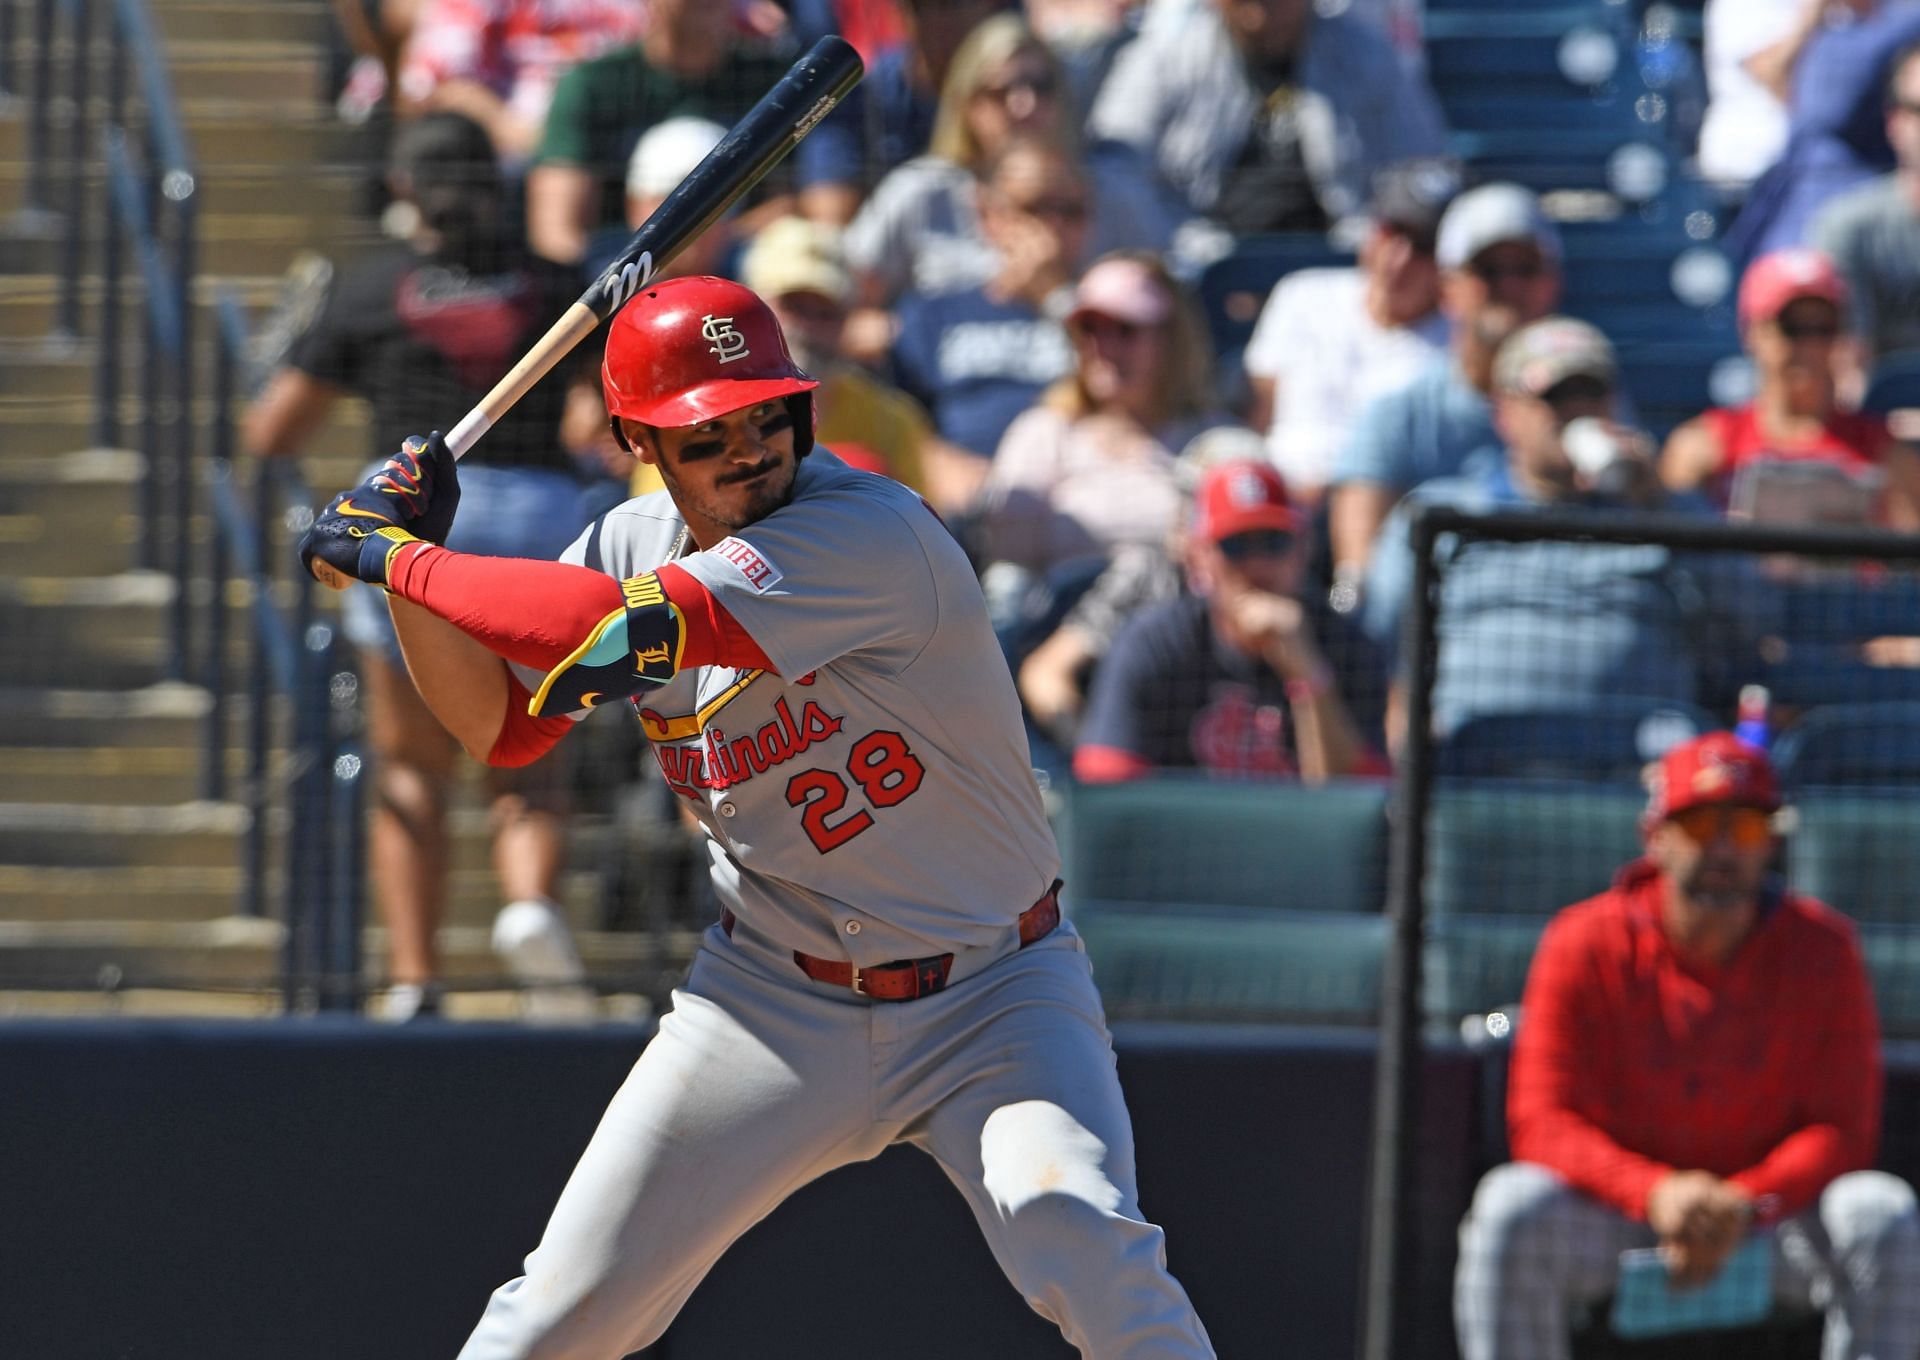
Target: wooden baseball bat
pixel 773 127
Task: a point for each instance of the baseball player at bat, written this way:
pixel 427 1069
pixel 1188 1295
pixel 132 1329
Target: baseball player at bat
pixel 808 652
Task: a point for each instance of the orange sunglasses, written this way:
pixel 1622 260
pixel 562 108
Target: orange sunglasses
pixel 1747 827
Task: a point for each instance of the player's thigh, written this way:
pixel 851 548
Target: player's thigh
pixel 1035 1106
pixel 741 1097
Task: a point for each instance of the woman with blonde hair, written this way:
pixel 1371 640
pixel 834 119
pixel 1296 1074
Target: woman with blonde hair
pixel 1092 467
pixel 920 230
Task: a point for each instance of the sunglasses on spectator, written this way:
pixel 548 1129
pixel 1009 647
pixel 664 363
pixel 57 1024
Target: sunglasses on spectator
pixel 1497 271
pixel 1748 828
pixel 1058 209
pixel 1256 543
pixel 1580 387
pixel 1799 328
pixel 1040 85
pixel 1094 323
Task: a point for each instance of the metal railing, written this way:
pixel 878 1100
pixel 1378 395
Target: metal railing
pixel 147 215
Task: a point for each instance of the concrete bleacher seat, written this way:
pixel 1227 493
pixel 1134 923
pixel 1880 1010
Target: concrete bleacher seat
pixel 1503 855
pixel 1249 900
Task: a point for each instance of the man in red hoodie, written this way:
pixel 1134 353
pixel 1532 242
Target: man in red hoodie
pixel 1698 1060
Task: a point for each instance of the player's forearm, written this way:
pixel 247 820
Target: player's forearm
pixel 465 685
pixel 527 611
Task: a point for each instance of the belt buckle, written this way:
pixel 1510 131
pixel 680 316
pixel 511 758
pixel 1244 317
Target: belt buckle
pixel 854 980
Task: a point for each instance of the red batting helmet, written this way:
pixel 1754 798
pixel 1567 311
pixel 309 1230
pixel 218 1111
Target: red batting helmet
pixel 691 349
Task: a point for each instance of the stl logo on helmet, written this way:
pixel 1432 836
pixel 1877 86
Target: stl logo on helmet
pixel 726 343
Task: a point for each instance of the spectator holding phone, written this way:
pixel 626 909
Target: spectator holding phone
pixel 1698 1061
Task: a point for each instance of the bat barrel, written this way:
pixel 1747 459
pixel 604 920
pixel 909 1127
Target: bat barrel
pixel 774 126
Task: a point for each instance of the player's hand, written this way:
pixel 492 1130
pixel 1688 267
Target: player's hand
pixel 411 497
pixel 1700 1219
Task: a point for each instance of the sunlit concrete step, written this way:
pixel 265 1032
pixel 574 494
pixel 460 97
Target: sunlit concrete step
pixel 245 953
pixel 164 714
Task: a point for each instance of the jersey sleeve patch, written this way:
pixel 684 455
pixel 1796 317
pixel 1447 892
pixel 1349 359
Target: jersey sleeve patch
pixel 754 566
pixel 633 647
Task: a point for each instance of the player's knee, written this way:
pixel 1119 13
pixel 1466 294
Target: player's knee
pixel 1872 1210
pixel 417 794
pixel 1034 1150
pixel 1512 1205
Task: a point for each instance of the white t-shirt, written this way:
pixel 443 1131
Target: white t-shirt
pixel 1745 125
pixel 1328 358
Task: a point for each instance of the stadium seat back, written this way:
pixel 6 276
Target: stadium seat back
pixel 1609 741
pixel 1227 843
pixel 1525 847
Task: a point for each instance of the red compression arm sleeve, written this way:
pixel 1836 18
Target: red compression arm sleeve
pixel 524 738
pixel 537 613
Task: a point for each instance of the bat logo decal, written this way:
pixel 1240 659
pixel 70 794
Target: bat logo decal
pixel 634 275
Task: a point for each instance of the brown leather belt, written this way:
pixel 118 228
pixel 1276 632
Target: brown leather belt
pixel 909 979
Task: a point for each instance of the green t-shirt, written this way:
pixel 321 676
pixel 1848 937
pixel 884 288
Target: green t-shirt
pixel 601 108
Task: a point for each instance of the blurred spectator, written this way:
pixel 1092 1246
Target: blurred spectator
pixel 1091 467
pixel 978 357
pixel 1546 626
pixel 888 118
pixel 1873 232
pixel 1697 1068
pixel 422 330
pixel 376 32
pixel 1267 115
pixel 1053 675
pixel 497 61
pixel 1752 47
pixel 1331 340
pixel 692 60
pixel 921 229
pixel 1499 259
pixel 666 154
pixel 796 265
pixel 1793 307
pixel 1837 133
pixel 1241 677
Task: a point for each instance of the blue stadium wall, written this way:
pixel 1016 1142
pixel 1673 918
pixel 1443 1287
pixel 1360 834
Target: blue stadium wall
pixel 296 1190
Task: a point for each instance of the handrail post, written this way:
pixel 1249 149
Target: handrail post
pixel 150 539
pixel 184 479
pixel 8 85
pixel 106 388
pixel 346 769
pixel 40 119
pixel 66 324
pixel 259 730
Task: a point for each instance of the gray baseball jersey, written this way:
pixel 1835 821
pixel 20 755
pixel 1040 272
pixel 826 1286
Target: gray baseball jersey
pixel 891 724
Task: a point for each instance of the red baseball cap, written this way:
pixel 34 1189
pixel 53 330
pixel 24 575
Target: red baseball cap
pixel 1240 495
pixel 1716 768
pixel 1785 276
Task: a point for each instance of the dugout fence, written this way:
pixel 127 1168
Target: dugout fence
pixel 1545 659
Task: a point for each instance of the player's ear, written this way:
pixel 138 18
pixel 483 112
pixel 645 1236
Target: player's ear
pixel 636 439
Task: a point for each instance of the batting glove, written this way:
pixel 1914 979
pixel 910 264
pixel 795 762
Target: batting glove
pixel 410 498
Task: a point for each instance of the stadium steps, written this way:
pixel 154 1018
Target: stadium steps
pixel 115 880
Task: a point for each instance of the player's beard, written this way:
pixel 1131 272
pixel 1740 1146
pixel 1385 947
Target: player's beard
pixel 738 500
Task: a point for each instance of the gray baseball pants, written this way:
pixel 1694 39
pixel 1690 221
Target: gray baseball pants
pixel 1533 1249
pixel 760 1080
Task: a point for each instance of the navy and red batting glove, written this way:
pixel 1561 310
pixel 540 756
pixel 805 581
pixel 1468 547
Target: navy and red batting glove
pixel 408 499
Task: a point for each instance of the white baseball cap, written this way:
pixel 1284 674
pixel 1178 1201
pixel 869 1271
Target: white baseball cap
pixel 667 153
pixel 1489 215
